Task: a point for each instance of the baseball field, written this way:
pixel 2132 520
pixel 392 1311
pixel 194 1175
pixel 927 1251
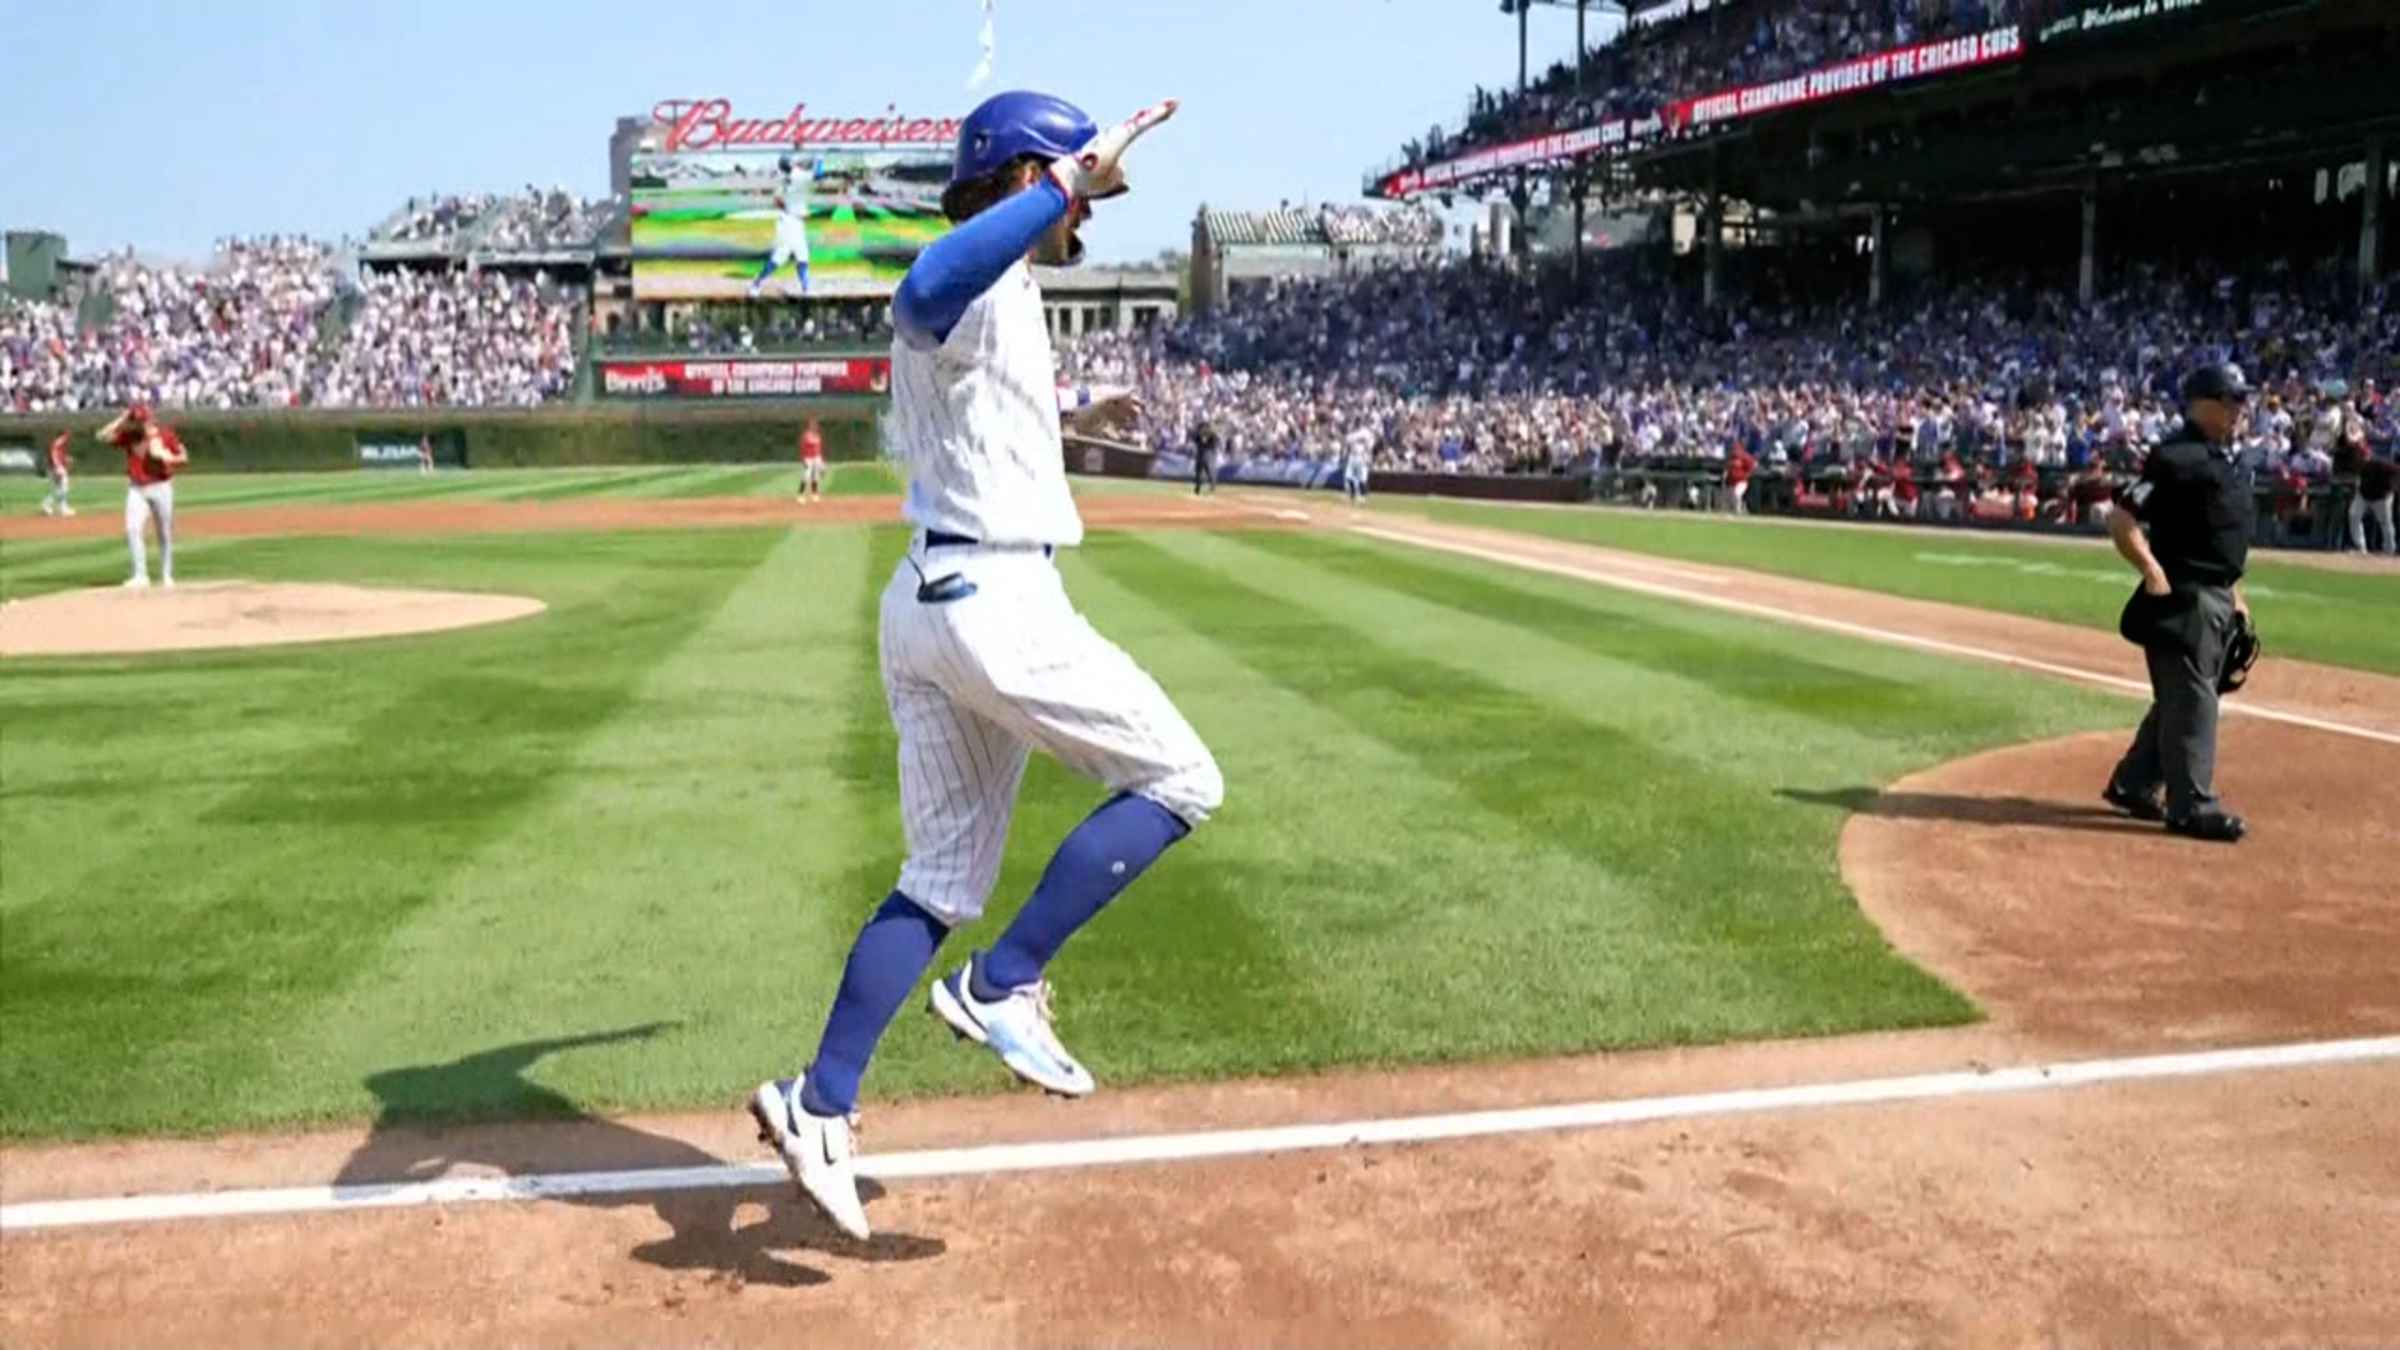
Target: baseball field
pixel 1526 808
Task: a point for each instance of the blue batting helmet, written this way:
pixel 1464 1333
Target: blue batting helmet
pixel 1016 123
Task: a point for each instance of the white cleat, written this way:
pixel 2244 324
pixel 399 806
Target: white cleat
pixel 1016 1028
pixel 49 508
pixel 168 582
pixel 819 1152
pixel 66 510
pixel 137 582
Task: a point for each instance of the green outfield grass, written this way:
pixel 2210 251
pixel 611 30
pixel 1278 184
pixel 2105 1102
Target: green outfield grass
pixel 1472 812
pixel 2313 613
pixel 200 490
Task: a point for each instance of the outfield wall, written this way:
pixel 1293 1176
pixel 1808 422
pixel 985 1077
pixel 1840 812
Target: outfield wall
pixel 556 435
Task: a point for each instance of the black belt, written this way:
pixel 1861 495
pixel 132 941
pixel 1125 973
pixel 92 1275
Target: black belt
pixel 943 539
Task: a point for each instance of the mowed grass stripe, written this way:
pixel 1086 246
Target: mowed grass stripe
pixel 141 1000
pixel 1672 900
pixel 66 564
pixel 871 478
pixel 2313 613
pixel 696 827
pixel 1734 661
pixel 714 481
pixel 614 482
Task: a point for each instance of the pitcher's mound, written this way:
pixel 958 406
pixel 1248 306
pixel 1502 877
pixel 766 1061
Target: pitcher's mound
pixel 236 614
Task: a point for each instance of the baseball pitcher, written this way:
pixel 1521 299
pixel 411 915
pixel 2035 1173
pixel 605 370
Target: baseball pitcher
pixel 153 454
pixel 984 656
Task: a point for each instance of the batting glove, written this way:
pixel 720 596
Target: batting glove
pixel 1097 170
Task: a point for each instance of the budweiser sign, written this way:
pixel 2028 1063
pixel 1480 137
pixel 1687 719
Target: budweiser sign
pixel 709 124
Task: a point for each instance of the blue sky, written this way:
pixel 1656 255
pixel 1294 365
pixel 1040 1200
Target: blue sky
pixel 165 126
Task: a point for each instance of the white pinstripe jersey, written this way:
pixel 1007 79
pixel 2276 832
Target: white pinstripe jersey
pixel 975 423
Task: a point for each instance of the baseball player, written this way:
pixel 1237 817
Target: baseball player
pixel 791 225
pixel 812 463
pixel 984 656
pixel 54 502
pixel 153 453
pixel 1358 449
pixel 1204 459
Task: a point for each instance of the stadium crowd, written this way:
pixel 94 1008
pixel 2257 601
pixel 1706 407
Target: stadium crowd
pixel 1351 225
pixel 732 329
pixel 1641 69
pixel 437 218
pixel 258 328
pixel 540 219
pixel 1471 368
pixel 242 333
pixel 474 339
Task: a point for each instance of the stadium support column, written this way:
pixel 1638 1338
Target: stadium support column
pixel 2370 218
pixel 1524 13
pixel 1879 261
pixel 2087 277
pixel 1581 181
pixel 1712 236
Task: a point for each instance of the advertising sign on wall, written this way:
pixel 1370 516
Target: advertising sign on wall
pixel 746 377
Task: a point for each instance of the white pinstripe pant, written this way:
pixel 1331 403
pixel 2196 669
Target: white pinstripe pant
pixel 974 685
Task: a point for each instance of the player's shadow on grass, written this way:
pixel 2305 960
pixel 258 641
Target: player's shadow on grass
pixel 1970 810
pixel 554 1134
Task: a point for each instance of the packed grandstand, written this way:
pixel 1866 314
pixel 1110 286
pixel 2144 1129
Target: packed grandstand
pixel 1967 347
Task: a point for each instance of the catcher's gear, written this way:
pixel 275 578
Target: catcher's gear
pixel 2241 653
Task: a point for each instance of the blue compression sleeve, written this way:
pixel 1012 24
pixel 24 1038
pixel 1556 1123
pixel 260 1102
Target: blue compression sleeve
pixel 964 263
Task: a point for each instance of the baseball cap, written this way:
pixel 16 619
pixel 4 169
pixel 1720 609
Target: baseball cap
pixel 2224 383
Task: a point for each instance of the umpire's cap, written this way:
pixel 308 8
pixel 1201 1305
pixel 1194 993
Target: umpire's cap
pixel 2223 382
pixel 1016 123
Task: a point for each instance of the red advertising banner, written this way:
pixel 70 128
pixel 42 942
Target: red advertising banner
pixel 746 377
pixel 1710 110
pixel 1550 149
pixel 1851 77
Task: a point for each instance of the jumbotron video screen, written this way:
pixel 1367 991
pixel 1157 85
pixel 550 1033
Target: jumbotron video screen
pixel 782 223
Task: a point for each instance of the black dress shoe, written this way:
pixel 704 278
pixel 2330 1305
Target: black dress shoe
pixel 2139 805
pixel 2216 826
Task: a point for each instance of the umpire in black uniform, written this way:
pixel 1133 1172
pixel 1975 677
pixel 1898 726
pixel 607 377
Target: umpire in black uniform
pixel 1204 459
pixel 2199 508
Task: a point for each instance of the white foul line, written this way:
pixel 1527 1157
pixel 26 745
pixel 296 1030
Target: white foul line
pixel 2116 682
pixel 991 1159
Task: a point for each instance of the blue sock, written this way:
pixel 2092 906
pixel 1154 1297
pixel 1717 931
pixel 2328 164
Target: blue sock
pixel 891 952
pixel 1100 858
pixel 766 271
pixel 803 270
